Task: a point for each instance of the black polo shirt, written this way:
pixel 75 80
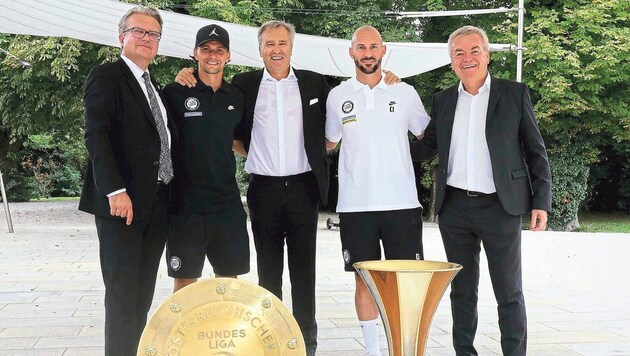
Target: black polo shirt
pixel 204 162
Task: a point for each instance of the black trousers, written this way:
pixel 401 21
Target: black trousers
pixel 284 209
pixel 465 223
pixel 130 257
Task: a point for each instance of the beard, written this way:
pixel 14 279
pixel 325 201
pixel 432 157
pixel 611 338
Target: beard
pixel 365 70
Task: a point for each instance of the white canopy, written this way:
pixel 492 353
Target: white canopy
pixel 97 21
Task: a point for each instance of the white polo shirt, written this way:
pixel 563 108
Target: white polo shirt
pixel 375 167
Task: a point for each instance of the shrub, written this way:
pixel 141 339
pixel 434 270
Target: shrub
pixel 569 171
pixel 242 177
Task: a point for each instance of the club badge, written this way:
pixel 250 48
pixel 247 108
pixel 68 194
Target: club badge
pixel 191 103
pixel 346 256
pixel 175 263
pixel 347 106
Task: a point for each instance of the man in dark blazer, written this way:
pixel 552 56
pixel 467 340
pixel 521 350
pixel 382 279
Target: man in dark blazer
pixel 128 138
pixel 492 169
pixel 288 172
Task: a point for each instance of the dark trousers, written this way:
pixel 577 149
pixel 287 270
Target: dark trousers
pixel 130 257
pixel 466 222
pixel 284 209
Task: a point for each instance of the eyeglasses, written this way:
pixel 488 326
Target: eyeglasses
pixel 139 34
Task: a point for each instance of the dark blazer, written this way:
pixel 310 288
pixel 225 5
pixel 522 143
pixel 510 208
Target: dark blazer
pixel 122 141
pixel 517 152
pixel 312 86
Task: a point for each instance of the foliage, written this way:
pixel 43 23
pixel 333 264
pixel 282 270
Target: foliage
pixel 55 167
pixel 576 65
pixel 242 177
pixel 569 175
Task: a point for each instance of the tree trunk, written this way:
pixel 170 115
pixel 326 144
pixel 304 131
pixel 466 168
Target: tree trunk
pixel 573 224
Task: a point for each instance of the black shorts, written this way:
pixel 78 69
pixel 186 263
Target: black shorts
pixel 400 231
pixel 221 236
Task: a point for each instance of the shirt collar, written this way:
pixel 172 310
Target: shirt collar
pixel 484 87
pixel 267 76
pixel 225 86
pixel 357 85
pixel 135 70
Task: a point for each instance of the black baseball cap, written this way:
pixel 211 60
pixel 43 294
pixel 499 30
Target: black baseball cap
pixel 212 33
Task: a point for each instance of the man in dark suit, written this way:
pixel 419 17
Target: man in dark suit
pixel 283 135
pixel 128 138
pixel 492 169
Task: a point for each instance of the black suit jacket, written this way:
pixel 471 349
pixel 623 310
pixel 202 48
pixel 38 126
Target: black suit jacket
pixel 122 141
pixel 520 167
pixel 312 86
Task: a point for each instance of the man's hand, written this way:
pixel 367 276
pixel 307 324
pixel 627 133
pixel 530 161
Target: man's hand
pixel 239 147
pixel 185 77
pixel 390 78
pixel 120 205
pixel 539 220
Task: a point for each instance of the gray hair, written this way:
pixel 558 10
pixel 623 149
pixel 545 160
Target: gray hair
pixel 141 10
pixel 273 25
pixel 467 30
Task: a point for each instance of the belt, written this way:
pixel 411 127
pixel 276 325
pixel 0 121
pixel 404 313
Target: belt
pixel 468 193
pixel 280 179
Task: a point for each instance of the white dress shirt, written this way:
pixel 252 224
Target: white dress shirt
pixel 469 165
pixel 137 73
pixel 277 145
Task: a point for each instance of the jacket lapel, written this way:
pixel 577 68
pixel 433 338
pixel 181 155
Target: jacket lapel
pixel 255 87
pixel 449 113
pixel 137 91
pixel 305 97
pixel 495 94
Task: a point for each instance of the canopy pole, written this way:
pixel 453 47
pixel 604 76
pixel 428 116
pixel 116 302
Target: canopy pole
pixel 519 48
pixel 7 212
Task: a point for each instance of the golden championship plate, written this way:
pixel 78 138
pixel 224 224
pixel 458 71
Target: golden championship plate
pixel 407 293
pixel 222 317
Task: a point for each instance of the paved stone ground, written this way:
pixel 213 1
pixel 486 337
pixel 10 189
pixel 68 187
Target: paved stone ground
pixel 51 294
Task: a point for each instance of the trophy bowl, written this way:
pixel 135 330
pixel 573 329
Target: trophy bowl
pixel 407 293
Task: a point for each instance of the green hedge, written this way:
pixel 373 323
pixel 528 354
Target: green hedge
pixel 569 171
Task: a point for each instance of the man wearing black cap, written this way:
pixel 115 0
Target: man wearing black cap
pixel 208 219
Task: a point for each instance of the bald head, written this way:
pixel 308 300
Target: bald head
pixel 366 30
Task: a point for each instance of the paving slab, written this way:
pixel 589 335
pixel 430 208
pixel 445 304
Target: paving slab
pixel 51 292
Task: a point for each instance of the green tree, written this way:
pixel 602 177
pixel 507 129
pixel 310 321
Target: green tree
pixel 577 66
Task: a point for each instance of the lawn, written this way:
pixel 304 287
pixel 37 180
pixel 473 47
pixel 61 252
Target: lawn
pixel 604 222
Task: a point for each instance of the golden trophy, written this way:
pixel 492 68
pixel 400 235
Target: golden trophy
pixel 407 293
pixel 222 316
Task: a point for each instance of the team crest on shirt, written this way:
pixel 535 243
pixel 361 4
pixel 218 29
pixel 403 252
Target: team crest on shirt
pixel 347 106
pixel 191 103
pixel 175 263
pixel 346 256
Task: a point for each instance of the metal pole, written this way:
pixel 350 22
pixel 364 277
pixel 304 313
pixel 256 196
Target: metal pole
pixel 519 49
pixel 6 205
